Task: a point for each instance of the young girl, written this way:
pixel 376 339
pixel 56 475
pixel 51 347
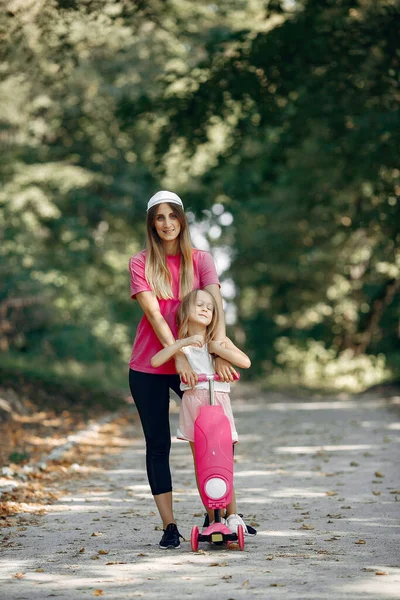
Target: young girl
pixel 197 321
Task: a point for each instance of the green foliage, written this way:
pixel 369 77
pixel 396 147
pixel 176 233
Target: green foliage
pixel 283 113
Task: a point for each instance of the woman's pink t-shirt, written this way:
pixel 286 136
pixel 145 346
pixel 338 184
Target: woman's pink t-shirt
pixel 146 343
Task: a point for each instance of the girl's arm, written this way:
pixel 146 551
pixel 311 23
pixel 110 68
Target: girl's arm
pixel 230 352
pixel 167 353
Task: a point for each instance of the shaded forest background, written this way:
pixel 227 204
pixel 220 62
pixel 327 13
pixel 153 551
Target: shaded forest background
pixel 278 124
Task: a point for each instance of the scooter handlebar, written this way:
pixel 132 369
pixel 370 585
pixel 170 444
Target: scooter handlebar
pixel 215 376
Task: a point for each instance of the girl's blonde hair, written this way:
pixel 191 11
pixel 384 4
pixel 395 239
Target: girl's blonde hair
pixel 156 270
pixel 183 313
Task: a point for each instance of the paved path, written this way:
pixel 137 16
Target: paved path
pixel 320 477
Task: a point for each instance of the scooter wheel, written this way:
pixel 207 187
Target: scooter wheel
pixel 240 534
pixel 194 538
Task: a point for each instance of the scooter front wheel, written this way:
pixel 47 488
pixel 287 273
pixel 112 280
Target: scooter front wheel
pixel 240 534
pixel 194 538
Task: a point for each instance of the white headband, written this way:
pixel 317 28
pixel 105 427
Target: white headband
pixel 164 196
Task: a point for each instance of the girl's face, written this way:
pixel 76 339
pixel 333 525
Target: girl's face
pixel 166 223
pixel 202 309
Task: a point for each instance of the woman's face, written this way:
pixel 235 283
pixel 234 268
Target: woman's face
pixel 202 309
pixel 166 223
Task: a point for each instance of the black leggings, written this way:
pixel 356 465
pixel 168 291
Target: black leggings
pixel 151 396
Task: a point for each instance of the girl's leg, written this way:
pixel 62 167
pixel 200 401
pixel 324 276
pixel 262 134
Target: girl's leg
pixel 151 396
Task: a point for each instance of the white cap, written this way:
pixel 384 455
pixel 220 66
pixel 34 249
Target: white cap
pixel 164 196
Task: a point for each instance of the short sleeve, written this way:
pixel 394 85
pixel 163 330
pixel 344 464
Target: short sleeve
pixel 139 282
pixel 207 271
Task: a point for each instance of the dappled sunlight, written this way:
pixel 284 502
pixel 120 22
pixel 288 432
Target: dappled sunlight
pixel 283 533
pixel 326 405
pixel 327 448
pixel 389 523
pixel 393 426
pixel 291 492
pixel 376 587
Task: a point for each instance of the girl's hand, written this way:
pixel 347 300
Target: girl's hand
pixel 195 340
pixel 184 370
pixel 225 370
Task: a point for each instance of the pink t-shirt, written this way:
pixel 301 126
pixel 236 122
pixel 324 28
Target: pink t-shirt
pixel 146 343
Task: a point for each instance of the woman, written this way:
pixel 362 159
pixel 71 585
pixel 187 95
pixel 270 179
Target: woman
pixel 161 276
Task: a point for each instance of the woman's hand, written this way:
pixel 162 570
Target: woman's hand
pixel 185 370
pixel 225 370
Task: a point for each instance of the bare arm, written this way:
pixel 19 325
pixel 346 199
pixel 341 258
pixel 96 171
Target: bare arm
pixel 216 292
pixel 222 366
pixel 230 352
pixel 149 304
pixel 167 353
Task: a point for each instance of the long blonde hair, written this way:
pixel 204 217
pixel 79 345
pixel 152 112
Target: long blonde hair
pixel 156 270
pixel 183 313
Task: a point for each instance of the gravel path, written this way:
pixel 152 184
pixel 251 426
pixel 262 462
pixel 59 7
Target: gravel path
pixel 319 477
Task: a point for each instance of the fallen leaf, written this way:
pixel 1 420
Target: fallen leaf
pixel 19 575
pixel 232 546
pixel 115 562
pixel 376 493
pixel 277 585
pixel 98 593
pixel 82 550
pixel 103 552
pixel 381 573
pixel 227 577
pixel 307 527
pixel 141 554
pixel 395 492
pixel 245 583
pixel 379 474
pixel 331 493
pixel 39 571
pixel 216 564
pixel 269 557
pixel 360 542
pixel 96 533
pixel 95 557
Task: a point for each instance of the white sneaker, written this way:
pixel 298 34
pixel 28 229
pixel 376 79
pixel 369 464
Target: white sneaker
pixel 233 521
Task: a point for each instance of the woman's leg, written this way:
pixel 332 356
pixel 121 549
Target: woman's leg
pixel 151 396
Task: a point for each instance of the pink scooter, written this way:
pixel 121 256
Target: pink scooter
pixel 214 465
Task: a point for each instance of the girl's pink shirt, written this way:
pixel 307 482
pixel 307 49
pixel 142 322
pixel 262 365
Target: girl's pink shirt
pixel 146 343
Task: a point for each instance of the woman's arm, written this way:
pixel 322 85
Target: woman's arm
pixel 167 353
pixel 216 292
pixel 149 304
pixel 230 352
pixel 222 366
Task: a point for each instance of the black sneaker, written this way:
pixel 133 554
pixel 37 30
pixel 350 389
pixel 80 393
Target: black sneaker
pixel 170 538
pixel 250 530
